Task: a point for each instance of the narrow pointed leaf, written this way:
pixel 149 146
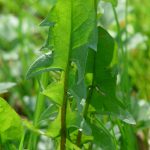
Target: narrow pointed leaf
pixel 41 65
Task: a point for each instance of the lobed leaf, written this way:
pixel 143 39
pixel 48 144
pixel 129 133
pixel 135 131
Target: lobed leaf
pixel 104 97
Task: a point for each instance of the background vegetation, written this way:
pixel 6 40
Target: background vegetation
pixel 21 41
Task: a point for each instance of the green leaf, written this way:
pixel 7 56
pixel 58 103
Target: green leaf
pixel 102 138
pixel 71 33
pixel 55 92
pixel 48 113
pixel 31 127
pixel 84 33
pixel 41 65
pixel 5 86
pixel 61 15
pixel 11 128
pixel 55 126
pixel 78 91
pixel 79 56
pixel 72 37
pixel 104 72
pixel 75 121
pixel 71 146
pixel 73 118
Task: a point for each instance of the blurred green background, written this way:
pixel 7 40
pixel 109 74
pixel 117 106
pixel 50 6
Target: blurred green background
pixel 21 39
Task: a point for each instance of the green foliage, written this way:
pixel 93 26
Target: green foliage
pixel 104 79
pixel 102 138
pixel 90 50
pixel 11 125
pixel 39 66
pixel 77 93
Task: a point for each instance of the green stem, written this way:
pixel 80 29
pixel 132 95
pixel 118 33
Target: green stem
pixel 85 112
pixel 114 135
pixel 22 141
pixel 38 110
pixel 124 73
pixel 64 111
pixel 40 100
pixel 64 103
pixel 126 22
pixel 79 137
pixel 90 146
pixel 119 30
pixel 126 48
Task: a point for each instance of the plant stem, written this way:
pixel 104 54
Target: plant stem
pixel 88 101
pixel 63 111
pixel 78 142
pixel 38 110
pixel 126 22
pixel 113 133
pixel 124 73
pixel 90 146
pixel 65 75
pixel 126 48
pixel 40 101
pixel 64 104
pixel 22 141
pixel 119 30
pixel 125 129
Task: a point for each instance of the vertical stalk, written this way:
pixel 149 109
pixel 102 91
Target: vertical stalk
pixel 119 30
pixel 126 22
pixel 126 50
pixel 124 73
pixel 78 142
pixel 64 103
pixel 64 111
pixel 22 141
pixel 40 99
pixel 88 101
pixel 38 110
pixel 125 129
